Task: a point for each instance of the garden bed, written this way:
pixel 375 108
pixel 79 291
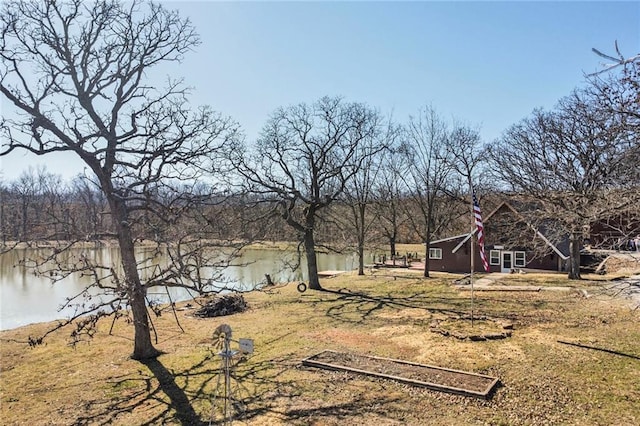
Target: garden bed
pixel 436 378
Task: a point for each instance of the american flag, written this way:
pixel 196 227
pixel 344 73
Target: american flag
pixel 480 228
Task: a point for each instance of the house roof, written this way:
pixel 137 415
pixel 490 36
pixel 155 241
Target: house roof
pixel 456 248
pixel 561 248
pixel 444 240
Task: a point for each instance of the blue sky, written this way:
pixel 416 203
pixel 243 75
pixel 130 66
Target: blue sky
pixel 488 64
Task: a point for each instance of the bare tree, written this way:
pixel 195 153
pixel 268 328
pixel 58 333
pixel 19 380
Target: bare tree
pixel 390 195
pixel 303 161
pixel 466 153
pixel 617 86
pixel 358 194
pixel 53 202
pixel 572 164
pixel 4 220
pixel 25 188
pixel 88 209
pixel 616 91
pixel 76 73
pixel 427 176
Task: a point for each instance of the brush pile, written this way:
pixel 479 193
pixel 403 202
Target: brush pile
pixel 227 304
pixel 620 263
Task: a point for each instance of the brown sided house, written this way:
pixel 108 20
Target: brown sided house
pixel 511 243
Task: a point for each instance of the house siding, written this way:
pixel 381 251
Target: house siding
pixel 460 261
pixel 550 262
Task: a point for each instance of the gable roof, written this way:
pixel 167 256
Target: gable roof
pixel 559 249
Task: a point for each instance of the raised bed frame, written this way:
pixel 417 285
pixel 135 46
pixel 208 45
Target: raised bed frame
pixel 485 392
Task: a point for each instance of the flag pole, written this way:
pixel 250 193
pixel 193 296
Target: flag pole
pixel 479 230
pixel 472 251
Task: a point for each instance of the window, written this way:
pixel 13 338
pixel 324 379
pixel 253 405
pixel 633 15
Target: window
pixel 494 257
pixel 520 260
pixel 435 253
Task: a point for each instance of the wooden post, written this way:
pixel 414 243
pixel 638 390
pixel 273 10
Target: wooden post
pixel 268 278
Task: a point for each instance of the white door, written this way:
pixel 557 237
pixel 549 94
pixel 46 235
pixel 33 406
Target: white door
pixel 507 261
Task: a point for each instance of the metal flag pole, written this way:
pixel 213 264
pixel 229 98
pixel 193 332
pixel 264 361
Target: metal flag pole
pixel 472 251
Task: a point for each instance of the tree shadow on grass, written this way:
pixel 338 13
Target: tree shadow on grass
pixel 356 307
pixel 185 397
pixel 178 400
pixel 156 392
pixel 344 412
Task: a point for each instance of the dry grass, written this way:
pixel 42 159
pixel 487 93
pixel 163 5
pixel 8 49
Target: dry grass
pixel 543 381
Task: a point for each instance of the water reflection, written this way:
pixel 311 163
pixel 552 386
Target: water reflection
pixel 26 297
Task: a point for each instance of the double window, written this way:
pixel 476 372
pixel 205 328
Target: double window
pixel 519 258
pixel 435 253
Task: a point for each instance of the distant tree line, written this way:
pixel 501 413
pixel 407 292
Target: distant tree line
pixel 39 206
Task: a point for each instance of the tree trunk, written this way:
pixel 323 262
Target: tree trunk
pixel 3 227
pixel 142 346
pixel 574 255
pixel 426 259
pixel 392 244
pixel 427 244
pixel 427 240
pixel 25 212
pixel 361 237
pixel 312 262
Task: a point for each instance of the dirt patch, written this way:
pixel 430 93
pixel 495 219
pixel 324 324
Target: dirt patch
pixel 437 378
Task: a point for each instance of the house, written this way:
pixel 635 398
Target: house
pixel 511 243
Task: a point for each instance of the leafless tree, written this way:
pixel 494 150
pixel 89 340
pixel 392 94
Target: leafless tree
pixel 427 176
pixel 358 194
pixel 468 163
pixel 617 85
pixel 88 211
pixel 572 163
pixel 616 91
pixel 76 74
pixel 4 221
pixel 466 153
pixel 390 194
pixel 25 188
pixel 304 159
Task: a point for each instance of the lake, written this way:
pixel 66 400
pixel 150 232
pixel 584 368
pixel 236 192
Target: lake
pixel 27 298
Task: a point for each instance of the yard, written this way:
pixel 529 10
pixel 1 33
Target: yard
pixel 391 314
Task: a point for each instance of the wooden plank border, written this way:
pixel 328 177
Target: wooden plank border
pixel 484 393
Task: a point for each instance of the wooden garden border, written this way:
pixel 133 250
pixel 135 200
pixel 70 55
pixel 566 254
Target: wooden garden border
pixel 443 387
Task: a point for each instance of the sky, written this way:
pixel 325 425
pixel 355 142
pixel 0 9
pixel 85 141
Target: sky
pixel 485 64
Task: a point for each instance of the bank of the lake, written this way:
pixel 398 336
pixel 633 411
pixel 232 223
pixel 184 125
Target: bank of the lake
pixel 386 314
pixel 27 297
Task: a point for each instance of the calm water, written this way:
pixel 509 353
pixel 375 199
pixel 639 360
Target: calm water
pixel 27 298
